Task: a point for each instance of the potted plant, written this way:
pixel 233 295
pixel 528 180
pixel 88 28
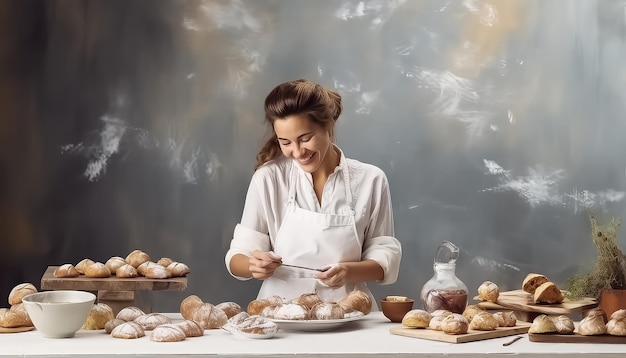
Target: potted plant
pixel 607 280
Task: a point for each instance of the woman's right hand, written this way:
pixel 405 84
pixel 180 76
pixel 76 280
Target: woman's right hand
pixel 263 264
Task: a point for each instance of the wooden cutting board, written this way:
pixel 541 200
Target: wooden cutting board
pixel 575 338
pixel 470 336
pixel 520 300
pixel 49 282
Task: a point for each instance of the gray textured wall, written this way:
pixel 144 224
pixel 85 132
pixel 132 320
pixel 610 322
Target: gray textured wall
pixel 134 124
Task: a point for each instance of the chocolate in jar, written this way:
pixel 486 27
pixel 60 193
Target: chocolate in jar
pixel 454 301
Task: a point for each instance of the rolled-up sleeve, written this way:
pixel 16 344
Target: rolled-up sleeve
pixel 244 242
pixel 387 251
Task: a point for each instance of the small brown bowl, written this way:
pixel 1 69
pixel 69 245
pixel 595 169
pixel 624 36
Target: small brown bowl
pixel 395 310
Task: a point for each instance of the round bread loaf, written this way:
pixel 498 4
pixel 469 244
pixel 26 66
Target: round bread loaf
pixel 619 314
pixel 532 281
pixel 165 261
pixel 129 313
pixel 128 330
pixel 356 300
pixel 547 292
pixel 157 271
pixel 13 318
pixel 455 324
pixel 542 324
pixel 188 305
pixel 435 322
pixel 597 311
pixel 177 269
pixel 97 270
pixel 443 313
pixel 137 257
pixel 416 318
pixel 488 291
pixel 230 308
pixel 191 328
pixel 505 318
pixel 616 327
pixel 114 263
pixel 150 321
pixel 472 310
pixel 83 264
pixel 483 321
pixel 141 269
pixel 66 270
pixel 291 311
pixel 307 299
pixel 99 315
pixel 126 271
pixel 110 325
pixel 592 326
pixel 564 325
pixel 255 307
pixel 167 333
pixel 20 291
pixel 209 317
pixel 326 310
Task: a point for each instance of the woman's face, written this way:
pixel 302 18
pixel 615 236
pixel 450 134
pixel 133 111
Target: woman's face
pixel 303 140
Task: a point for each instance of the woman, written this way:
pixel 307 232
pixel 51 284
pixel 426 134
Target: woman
pixel 308 205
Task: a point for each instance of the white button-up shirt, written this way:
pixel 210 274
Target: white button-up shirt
pixel 268 195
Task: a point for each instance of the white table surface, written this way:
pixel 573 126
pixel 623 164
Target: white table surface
pixel 367 337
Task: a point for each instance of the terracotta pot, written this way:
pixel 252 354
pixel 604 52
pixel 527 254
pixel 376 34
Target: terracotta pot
pixel 612 300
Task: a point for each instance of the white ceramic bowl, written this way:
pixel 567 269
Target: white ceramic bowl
pixel 59 314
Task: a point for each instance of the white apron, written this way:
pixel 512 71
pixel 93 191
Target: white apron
pixel 312 239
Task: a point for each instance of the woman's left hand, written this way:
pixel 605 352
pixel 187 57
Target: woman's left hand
pixel 335 276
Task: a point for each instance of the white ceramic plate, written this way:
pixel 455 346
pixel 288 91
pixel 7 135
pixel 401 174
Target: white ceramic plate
pixel 315 325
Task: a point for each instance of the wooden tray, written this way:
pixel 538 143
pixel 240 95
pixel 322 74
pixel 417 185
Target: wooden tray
pixel 470 336
pixel 49 282
pixel 16 329
pixel 575 338
pixel 519 300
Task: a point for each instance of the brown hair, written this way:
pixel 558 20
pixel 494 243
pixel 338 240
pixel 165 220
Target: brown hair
pixel 298 98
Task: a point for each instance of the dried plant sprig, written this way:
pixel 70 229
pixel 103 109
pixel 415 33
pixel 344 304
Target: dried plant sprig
pixel 609 271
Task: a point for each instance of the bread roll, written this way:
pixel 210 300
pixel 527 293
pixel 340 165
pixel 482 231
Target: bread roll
pixel 126 271
pixel 150 321
pixel 532 281
pixel 97 270
pixel 230 308
pixel 443 313
pixel 165 261
pixel 275 300
pixel 13 318
pixel 209 317
pixel 619 314
pixel 257 325
pixel 83 264
pixel 564 325
pixel 326 310
pixel 616 327
pixel 542 324
pixel 292 311
pixel 238 318
pixel 483 321
pixel 191 328
pixel 472 310
pixel 436 322
pixel 455 324
pixel 178 269
pixel 416 318
pixel 488 291
pixel 597 311
pixel 505 319
pixel 65 271
pixel 128 330
pixel 99 315
pixel 157 271
pixel 141 269
pixel 356 301
pixel 114 263
pixel 189 305
pixel 167 333
pixel 307 299
pixel 20 291
pixel 110 325
pixel 255 307
pixel 137 257
pixel 129 313
pixel 591 326
pixel 547 292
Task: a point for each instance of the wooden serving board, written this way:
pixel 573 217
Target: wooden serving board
pixel 49 282
pixel 520 300
pixel 16 329
pixel 575 338
pixel 470 336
